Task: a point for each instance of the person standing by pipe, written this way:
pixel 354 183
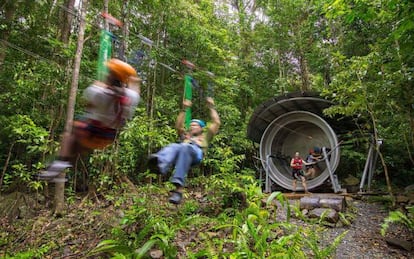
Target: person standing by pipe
pixel 297 171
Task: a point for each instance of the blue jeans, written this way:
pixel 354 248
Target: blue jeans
pixel 183 156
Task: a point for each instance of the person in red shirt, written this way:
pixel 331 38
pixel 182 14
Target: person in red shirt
pixel 297 171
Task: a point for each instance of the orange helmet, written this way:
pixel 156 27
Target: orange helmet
pixel 121 69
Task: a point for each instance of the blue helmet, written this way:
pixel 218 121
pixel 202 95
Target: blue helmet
pixel 200 122
pixel 317 150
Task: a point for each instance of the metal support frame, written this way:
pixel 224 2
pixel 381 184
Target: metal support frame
pixel 334 178
pixel 370 165
pixel 268 188
pixel 267 179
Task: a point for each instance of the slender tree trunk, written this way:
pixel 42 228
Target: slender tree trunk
pixel 106 10
pixel 66 21
pixel 377 148
pixel 125 30
pixel 304 72
pixel 5 33
pixel 60 187
pixel 409 97
pixel 66 18
pixel 6 164
pixel 244 14
pixel 150 97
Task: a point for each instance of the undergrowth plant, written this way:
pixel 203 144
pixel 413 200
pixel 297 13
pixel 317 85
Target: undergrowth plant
pixel 26 142
pixel 155 232
pixel 250 235
pixel 400 218
pixel 248 231
pixel 33 253
pixel 313 242
pixel 297 212
pixel 345 218
pixel 147 225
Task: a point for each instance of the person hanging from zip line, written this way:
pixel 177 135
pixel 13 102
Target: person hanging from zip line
pixel 188 152
pixel 109 104
pixel 297 173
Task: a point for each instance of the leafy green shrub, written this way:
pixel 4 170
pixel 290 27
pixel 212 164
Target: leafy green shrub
pixel 27 142
pixel 36 253
pixel 156 231
pixel 313 242
pixel 399 217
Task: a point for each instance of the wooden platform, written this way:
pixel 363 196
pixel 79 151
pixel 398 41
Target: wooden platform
pixel 298 195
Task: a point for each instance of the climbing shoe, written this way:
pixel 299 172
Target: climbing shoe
pixel 175 197
pixel 58 180
pixel 54 170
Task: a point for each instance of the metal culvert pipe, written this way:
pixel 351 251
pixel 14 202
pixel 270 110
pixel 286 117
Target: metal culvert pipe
pixel 297 131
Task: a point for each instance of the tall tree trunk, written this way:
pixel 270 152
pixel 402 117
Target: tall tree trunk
pixel 125 30
pixel 66 18
pixel 150 103
pixel 377 149
pixel 245 10
pixel 5 30
pixel 304 72
pixel 6 164
pixel 409 99
pixel 106 10
pixel 60 187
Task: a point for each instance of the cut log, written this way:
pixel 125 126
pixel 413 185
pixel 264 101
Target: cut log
pixel 337 204
pixel 309 203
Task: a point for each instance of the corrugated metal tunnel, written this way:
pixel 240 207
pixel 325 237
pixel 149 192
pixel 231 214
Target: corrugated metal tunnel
pixel 294 123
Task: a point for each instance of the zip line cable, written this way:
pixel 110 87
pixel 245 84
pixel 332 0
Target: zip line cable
pixel 144 40
pixel 36 56
pixel 164 51
pixel 28 52
pixel 168 67
pixel 147 42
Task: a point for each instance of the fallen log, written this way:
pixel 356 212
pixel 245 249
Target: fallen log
pixel 309 203
pixel 337 204
pixel 312 202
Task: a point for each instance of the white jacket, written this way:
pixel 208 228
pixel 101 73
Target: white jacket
pixel 105 106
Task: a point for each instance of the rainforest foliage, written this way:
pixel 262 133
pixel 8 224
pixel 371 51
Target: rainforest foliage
pixel 357 53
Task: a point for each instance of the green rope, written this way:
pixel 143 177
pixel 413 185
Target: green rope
pixel 105 50
pixel 188 95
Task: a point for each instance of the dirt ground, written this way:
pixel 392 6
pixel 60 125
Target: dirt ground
pixel 80 231
pixel 364 239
